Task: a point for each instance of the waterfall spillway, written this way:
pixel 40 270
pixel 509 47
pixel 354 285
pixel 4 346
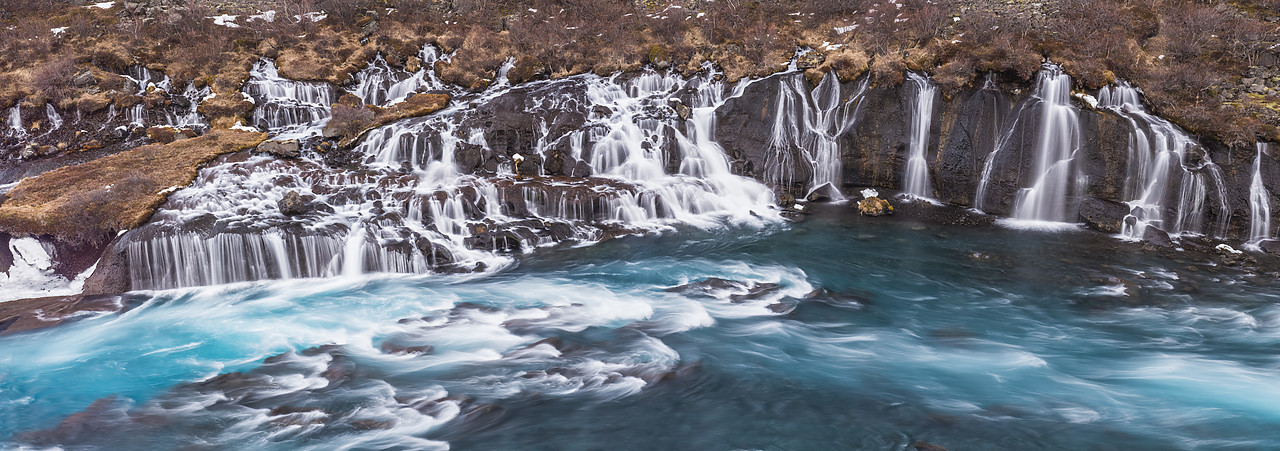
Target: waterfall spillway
pixel 601 156
pixel 807 127
pixel 383 85
pixel 916 178
pixel 287 108
pixel 1001 135
pixel 1259 202
pixel 1054 176
pixel 1161 156
pixel 14 123
pixel 55 119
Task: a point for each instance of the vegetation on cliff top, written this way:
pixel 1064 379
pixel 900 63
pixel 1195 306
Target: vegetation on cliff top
pixel 92 201
pixel 1185 54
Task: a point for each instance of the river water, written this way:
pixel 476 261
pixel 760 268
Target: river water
pixel 836 332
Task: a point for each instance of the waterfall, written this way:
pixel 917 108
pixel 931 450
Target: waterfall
pixel 1259 203
pixel 1055 180
pixel 189 116
pixel 287 108
pixel 433 194
pixel 383 85
pixel 1159 155
pixel 15 123
pixel 1001 137
pixel 916 179
pixel 807 126
pixel 55 119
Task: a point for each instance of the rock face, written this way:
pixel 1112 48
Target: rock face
pixel 981 153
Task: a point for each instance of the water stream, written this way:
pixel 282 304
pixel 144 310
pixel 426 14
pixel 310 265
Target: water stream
pixel 916 179
pixel 731 337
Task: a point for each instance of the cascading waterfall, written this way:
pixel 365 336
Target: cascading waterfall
pixel 414 208
pixel 1055 180
pixel 14 123
pixel 383 85
pixel 1259 202
pixel 916 179
pixel 1159 154
pixel 808 126
pixel 1001 137
pixel 55 119
pixel 288 108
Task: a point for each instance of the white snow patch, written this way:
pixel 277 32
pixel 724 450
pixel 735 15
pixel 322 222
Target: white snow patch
pixel 240 126
pixel 265 16
pixel 225 20
pixel 1091 100
pixel 58 31
pixel 103 5
pixel 32 274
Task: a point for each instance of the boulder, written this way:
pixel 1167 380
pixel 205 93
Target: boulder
pixel 292 204
pixel 1102 215
pixel 1156 237
pixel 810 59
pixel 823 193
pixel 288 148
pixel 874 206
pixel 84 79
pixel 1270 246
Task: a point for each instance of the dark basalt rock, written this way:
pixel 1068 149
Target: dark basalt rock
pixel 289 148
pixel 707 285
pixel 292 204
pixel 395 348
pixel 1102 215
pixel 6 255
pixel 824 193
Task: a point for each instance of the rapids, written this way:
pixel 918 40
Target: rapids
pixel 737 337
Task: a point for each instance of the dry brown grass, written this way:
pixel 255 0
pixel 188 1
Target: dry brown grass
pixel 325 55
pixel 91 201
pixel 351 121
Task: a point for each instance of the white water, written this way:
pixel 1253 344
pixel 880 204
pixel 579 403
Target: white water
pixel 288 108
pixel 1002 135
pixel 383 85
pixel 807 126
pixel 410 208
pixel 1259 202
pixel 55 119
pixel 916 178
pixel 1158 158
pixel 1056 179
pixel 14 123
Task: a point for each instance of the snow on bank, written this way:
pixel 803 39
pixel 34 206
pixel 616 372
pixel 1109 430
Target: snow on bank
pixel 32 275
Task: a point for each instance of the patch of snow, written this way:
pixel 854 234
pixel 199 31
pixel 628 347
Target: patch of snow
pixel 1091 100
pixel 58 31
pixel 225 20
pixel 265 16
pixel 846 29
pixel 1224 247
pixel 103 5
pixel 240 126
pixel 32 274
pixel 312 16
pixel 870 192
